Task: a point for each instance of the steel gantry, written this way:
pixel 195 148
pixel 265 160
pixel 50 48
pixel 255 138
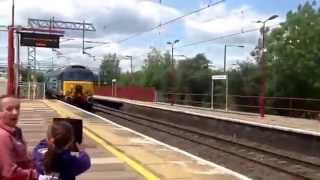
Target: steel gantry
pixel 36 26
pixel 55 24
pixel 63 25
pixel 67 25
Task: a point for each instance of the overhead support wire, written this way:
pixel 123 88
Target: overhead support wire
pixel 221 37
pixel 3 28
pixel 97 42
pixel 161 24
pixel 171 21
pixel 86 41
pixel 217 38
pixel 193 12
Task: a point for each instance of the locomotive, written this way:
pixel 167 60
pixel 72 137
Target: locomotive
pixel 73 84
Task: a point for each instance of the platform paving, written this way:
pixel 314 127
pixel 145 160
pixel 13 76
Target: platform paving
pixel 165 162
pixel 34 119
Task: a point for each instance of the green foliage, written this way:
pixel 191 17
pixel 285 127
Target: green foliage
pixel 156 70
pixel 26 75
pixel 189 76
pixel 109 68
pixel 293 63
pixel 193 75
pixel 294 55
pixel 245 80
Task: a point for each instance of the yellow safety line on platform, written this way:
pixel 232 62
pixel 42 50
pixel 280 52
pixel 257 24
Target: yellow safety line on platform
pixel 134 164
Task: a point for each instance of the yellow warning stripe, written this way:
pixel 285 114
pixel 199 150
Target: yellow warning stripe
pixel 134 164
pixel 78 82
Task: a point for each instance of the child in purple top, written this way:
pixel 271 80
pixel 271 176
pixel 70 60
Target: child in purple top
pixel 53 155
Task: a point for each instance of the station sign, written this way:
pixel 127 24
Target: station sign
pixel 39 40
pixel 218 77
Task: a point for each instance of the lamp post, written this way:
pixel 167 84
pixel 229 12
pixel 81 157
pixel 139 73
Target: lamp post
pixel 11 78
pixel 12 15
pixel 263 66
pixel 172 48
pixel 114 87
pixel 225 68
pixel 225 54
pixel 173 98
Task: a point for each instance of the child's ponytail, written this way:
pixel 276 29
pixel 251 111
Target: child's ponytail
pixel 61 133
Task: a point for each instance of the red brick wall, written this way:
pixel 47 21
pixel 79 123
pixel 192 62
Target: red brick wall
pixel 128 92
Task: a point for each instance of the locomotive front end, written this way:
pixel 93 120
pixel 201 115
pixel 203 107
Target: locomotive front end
pixel 78 86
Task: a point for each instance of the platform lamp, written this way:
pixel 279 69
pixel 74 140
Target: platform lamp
pixel 173 98
pixel 263 31
pixel 225 54
pixel 225 68
pixel 114 87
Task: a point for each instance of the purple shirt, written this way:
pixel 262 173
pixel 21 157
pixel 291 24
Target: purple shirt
pixel 69 166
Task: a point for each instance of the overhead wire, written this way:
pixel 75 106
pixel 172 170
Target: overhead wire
pixel 159 25
pixel 192 12
pixel 221 37
pixel 212 19
pixel 170 21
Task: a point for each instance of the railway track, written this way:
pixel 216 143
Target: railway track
pixel 253 162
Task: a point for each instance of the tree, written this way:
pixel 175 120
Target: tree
pixel 245 80
pixel 27 74
pixel 156 70
pixel 294 54
pixel 193 76
pixel 109 68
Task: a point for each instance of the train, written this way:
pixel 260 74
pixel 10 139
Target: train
pixel 73 84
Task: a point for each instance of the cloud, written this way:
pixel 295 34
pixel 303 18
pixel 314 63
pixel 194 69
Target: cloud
pixel 138 54
pixel 113 20
pixel 118 19
pixel 110 17
pixel 71 53
pixel 220 20
pixel 127 17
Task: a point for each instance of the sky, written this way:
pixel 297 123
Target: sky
pixel 116 20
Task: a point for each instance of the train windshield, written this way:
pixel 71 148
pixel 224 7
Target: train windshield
pixel 78 76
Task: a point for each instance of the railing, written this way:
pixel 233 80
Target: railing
pixel 31 90
pixel 285 106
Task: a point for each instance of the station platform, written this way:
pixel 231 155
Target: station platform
pixel 34 119
pixel 118 152
pixel 297 125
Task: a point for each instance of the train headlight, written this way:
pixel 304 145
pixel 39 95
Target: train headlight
pixel 68 93
pixel 88 93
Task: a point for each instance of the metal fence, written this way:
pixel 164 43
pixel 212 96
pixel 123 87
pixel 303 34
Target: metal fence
pixel 284 106
pixel 200 100
pixel 31 90
pixel 3 86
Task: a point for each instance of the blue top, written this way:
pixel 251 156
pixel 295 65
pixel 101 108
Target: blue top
pixel 69 166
